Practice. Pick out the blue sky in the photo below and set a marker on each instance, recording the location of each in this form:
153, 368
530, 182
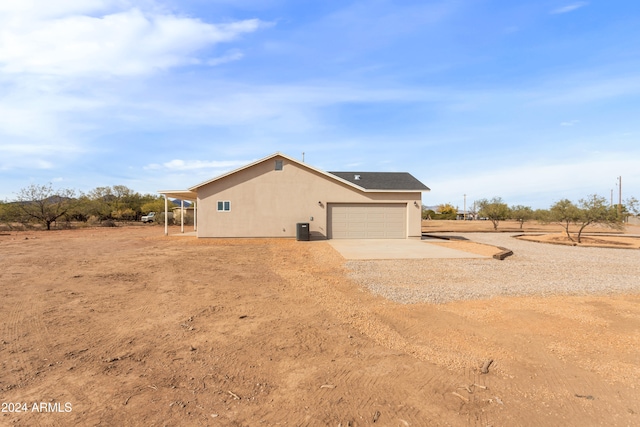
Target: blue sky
531, 101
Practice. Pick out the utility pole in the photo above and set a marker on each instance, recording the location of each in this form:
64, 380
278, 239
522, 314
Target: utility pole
611, 200
620, 196
464, 213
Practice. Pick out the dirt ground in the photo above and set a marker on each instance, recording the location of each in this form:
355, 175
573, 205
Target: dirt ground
127, 327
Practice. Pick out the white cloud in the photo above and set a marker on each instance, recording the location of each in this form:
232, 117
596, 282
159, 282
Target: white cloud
35, 155
540, 184
569, 8
133, 41
74, 70
29, 9
585, 87
291, 108
229, 57
570, 123
191, 165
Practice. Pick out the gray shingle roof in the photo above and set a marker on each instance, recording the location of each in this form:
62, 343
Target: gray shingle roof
399, 181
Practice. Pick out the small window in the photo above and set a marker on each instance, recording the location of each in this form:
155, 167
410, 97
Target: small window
278, 165
224, 205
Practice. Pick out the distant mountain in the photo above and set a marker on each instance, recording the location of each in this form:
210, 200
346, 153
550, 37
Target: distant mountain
186, 204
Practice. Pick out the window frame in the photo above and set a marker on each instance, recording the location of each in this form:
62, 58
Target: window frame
226, 205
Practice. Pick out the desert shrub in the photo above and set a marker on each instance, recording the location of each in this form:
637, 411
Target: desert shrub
445, 216
160, 219
126, 214
428, 214
64, 225
188, 219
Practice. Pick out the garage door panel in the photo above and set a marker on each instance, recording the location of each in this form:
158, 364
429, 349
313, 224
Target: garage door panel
357, 226
362, 221
392, 216
376, 216
376, 235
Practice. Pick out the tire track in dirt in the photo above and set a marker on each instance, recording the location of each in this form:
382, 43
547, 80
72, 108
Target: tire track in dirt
12, 334
570, 390
353, 312
396, 406
90, 358
121, 330
541, 370
357, 314
73, 349
41, 333
365, 318
27, 316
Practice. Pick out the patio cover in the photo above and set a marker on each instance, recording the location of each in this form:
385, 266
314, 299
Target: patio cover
182, 195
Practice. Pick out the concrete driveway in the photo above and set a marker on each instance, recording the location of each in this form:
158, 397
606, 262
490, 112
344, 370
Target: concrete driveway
353, 249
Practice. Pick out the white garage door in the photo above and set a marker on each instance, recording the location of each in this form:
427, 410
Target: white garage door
367, 221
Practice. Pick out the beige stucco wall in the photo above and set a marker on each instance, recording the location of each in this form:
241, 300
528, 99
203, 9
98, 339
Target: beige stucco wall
269, 203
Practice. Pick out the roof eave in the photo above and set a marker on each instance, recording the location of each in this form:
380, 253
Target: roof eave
278, 154
395, 191
180, 194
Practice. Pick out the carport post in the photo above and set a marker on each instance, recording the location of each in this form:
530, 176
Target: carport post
166, 216
182, 216
195, 215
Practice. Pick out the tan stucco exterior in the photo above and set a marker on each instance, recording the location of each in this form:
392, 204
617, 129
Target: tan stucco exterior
265, 202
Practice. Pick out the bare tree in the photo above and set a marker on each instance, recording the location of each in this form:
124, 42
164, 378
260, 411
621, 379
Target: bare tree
632, 205
565, 213
521, 214
43, 204
595, 210
592, 210
495, 210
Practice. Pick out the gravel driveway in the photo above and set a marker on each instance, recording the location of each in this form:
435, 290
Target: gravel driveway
534, 269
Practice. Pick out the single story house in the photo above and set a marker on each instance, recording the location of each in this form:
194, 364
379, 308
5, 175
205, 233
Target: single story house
270, 197
186, 211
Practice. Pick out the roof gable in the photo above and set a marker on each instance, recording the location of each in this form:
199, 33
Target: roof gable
369, 182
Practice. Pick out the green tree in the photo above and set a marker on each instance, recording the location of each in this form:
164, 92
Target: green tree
447, 208
495, 210
116, 202
595, 210
43, 204
157, 205
542, 215
428, 213
99, 203
565, 213
126, 204
521, 214
80, 210
5, 216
